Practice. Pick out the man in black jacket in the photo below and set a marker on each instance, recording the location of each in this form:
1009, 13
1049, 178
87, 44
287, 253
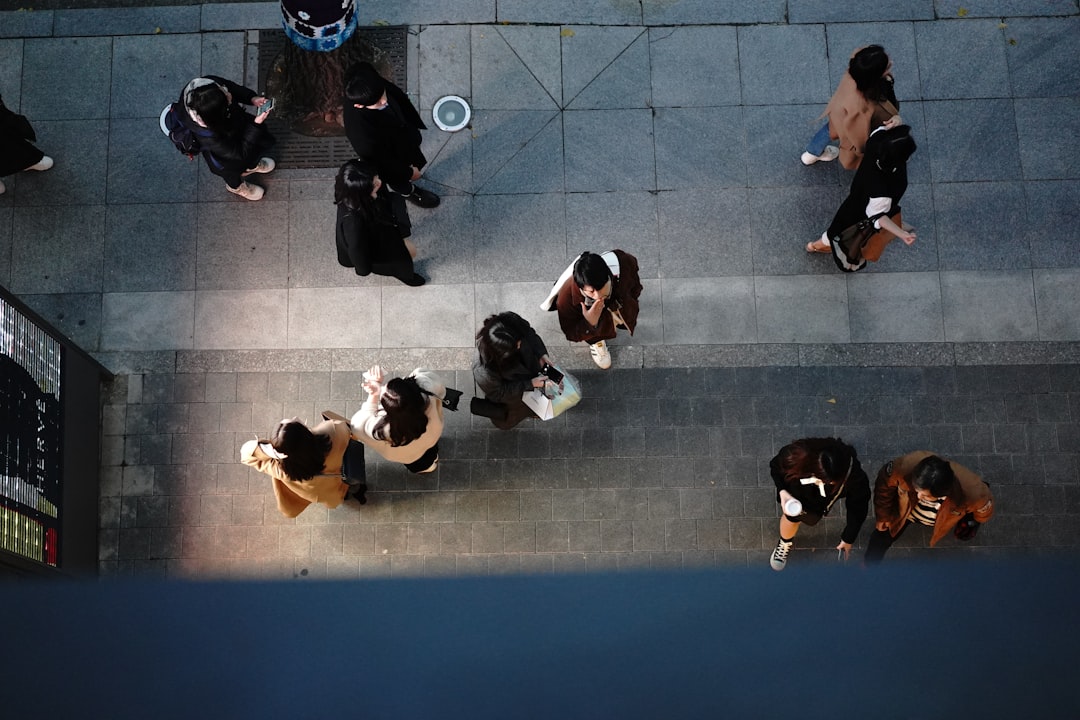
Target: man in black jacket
384, 129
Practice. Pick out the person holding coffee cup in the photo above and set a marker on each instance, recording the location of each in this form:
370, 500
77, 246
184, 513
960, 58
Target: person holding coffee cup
810, 476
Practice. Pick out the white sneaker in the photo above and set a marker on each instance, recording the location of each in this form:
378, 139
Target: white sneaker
780, 554
830, 153
600, 355
43, 164
265, 165
247, 191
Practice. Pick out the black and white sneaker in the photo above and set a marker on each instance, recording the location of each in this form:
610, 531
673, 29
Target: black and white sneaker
780, 554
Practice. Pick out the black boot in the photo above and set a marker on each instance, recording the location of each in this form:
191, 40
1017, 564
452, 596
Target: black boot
423, 198
358, 493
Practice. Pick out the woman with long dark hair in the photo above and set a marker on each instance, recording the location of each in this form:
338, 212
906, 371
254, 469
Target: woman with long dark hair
373, 225
509, 359
810, 476
232, 141
402, 419
876, 189
305, 463
863, 100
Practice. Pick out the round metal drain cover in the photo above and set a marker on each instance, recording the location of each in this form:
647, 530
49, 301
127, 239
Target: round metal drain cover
451, 113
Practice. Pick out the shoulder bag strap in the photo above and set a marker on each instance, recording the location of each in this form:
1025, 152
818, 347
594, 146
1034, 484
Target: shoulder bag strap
851, 464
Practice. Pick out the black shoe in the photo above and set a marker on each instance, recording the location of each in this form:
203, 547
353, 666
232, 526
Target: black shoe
358, 493
423, 198
415, 281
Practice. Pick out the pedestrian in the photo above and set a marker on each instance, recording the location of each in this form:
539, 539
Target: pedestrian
373, 225
231, 140
17, 150
402, 418
876, 190
384, 129
594, 296
863, 100
810, 476
510, 359
305, 463
924, 488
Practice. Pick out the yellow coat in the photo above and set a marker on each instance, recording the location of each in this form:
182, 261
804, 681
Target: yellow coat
293, 496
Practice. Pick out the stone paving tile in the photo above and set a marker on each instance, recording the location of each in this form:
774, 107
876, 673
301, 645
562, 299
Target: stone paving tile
619, 84
138, 93
809, 11
21, 24
66, 78
692, 12
695, 66
764, 82
1043, 42
126, 21
967, 63
717, 132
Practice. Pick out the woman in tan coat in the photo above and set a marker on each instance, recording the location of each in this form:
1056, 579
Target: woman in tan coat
921, 487
863, 100
402, 419
305, 464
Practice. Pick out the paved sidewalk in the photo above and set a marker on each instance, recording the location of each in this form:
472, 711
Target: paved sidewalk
669, 129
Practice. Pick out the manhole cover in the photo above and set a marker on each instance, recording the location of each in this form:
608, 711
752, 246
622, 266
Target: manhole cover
331, 148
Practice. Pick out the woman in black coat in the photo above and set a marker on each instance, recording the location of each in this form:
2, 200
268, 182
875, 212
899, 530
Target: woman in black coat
811, 475
372, 225
232, 141
17, 151
877, 187
509, 359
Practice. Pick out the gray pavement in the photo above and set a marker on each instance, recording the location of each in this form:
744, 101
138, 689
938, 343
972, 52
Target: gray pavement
669, 129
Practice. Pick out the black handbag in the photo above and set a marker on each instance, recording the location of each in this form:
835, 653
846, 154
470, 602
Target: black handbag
847, 247
450, 399
354, 470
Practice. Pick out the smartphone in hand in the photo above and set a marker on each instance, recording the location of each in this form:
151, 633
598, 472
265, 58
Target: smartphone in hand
552, 373
265, 107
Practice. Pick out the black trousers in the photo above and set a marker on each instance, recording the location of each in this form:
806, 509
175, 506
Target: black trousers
880, 542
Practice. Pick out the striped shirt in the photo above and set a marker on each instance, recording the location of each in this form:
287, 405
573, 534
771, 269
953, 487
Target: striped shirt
926, 511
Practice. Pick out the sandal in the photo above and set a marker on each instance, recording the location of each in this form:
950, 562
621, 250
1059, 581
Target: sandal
814, 247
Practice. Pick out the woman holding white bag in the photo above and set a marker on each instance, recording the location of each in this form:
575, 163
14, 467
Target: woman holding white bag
510, 361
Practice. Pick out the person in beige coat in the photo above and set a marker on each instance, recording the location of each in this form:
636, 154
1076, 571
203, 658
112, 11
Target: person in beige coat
921, 487
402, 419
863, 100
305, 464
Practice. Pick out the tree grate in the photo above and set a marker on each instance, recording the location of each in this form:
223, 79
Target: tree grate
296, 150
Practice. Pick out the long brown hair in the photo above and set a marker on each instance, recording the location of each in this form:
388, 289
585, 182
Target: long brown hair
828, 459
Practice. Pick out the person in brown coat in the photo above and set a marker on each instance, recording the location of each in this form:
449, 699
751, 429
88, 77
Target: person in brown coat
305, 464
924, 488
600, 295
863, 100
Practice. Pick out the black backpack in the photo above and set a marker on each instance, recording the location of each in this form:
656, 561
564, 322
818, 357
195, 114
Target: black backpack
183, 137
